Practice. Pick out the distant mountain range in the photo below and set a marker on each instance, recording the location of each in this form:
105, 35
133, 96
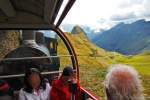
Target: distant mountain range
128, 39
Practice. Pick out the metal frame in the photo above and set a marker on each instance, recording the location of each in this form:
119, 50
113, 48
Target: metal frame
21, 75
89, 94
65, 11
66, 42
27, 58
50, 26
70, 49
51, 11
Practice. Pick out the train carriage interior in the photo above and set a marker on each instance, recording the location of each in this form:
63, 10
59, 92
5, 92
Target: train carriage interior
39, 38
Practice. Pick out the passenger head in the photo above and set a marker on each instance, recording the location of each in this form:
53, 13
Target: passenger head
33, 80
122, 83
67, 74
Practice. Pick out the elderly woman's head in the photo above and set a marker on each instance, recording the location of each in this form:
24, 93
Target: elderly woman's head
122, 83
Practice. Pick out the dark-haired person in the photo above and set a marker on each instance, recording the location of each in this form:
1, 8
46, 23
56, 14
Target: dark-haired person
122, 83
35, 86
61, 88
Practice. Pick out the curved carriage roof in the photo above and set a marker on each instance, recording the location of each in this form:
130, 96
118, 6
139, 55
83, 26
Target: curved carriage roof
32, 13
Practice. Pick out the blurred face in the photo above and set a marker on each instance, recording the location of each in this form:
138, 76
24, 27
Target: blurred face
69, 78
35, 80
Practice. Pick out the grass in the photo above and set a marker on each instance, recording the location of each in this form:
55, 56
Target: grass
93, 69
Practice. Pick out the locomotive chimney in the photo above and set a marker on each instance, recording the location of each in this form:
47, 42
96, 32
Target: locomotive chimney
28, 37
40, 38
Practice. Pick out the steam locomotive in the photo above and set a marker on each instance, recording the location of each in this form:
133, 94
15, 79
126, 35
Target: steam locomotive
35, 50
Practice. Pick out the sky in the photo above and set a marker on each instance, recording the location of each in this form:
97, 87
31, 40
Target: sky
103, 14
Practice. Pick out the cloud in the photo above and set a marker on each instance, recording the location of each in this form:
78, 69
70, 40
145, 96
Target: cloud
132, 10
121, 17
103, 14
128, 3
146, 11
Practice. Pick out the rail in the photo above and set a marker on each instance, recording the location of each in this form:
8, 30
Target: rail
28, 58
89, 94
22, 75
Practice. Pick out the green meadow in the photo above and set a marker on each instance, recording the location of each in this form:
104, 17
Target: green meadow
94, 62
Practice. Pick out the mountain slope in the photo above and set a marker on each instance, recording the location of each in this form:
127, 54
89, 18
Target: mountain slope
126, 38
84, 48
77, 30
91, 68
91, 33
94, 69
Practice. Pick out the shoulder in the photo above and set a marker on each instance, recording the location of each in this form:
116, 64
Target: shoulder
55, 82
21, 91
48, 85
22, 94
57, 85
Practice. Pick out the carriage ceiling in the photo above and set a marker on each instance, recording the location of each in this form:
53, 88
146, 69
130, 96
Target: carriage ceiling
32, 13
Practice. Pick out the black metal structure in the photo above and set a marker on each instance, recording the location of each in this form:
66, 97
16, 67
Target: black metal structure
40, 14
30, 16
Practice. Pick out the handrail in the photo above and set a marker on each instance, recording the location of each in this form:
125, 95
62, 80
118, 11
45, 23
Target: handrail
21, 75
91, 96
65, 11
42, 57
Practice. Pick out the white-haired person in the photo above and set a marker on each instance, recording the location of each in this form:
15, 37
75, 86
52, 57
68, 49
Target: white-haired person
122, 83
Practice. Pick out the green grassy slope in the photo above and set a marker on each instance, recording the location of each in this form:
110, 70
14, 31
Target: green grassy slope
93, 69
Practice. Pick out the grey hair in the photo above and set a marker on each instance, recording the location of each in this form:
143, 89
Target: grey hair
123, 83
